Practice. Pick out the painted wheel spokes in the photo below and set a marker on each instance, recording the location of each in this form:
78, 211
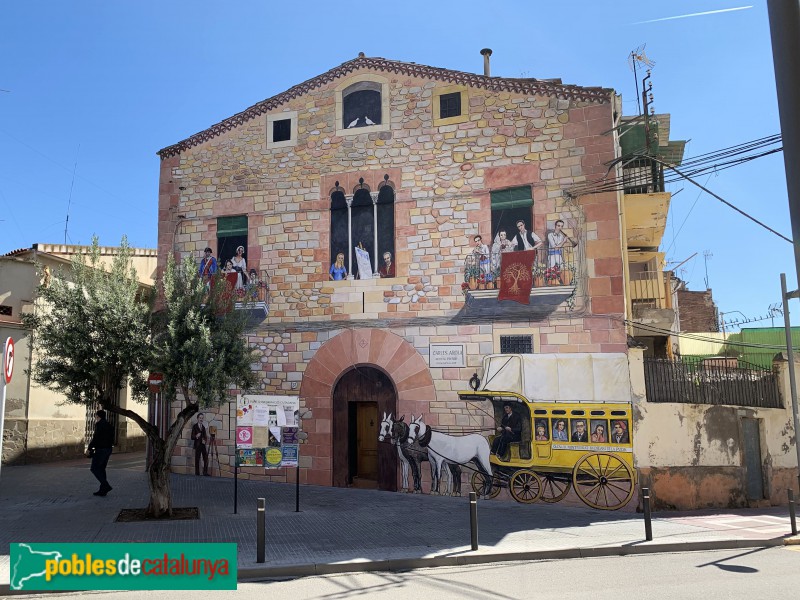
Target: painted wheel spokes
478, 482
554, 488
525, 486
603, 481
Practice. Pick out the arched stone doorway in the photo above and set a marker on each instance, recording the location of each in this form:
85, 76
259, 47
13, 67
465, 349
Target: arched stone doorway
357, 350
360, 398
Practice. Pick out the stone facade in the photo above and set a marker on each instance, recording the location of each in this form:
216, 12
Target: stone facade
540, 134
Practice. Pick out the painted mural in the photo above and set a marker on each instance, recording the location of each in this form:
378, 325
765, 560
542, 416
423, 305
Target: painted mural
521, 273
562, 422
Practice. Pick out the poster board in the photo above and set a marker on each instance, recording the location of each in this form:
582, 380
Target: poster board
364, 265
260, 422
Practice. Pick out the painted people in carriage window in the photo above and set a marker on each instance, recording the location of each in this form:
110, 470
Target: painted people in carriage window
599, 429
541, 430
560, 430
619, 431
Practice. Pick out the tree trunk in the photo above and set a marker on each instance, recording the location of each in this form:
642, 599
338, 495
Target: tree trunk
158, 475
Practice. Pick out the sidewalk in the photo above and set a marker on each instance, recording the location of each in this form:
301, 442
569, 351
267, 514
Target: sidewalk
347, 529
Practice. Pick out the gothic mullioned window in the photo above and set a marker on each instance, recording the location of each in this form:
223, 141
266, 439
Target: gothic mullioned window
365, 220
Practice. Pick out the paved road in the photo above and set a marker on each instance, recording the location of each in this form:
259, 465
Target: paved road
752, 573
345, 529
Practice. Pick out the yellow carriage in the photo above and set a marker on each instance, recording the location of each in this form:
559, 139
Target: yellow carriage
575, 411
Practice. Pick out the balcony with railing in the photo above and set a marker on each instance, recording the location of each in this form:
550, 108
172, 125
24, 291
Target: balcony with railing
651, 300
553, 272
250, 293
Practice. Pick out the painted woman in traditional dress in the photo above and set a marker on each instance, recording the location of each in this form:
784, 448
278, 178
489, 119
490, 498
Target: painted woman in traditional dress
240, 266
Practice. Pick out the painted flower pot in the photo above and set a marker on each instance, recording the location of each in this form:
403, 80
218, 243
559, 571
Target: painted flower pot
473, 283
566, 277
538, 281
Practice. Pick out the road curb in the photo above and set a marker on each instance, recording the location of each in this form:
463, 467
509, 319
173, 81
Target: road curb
792, 541
405, 564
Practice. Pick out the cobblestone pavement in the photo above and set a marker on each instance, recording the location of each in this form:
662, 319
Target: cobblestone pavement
54, 503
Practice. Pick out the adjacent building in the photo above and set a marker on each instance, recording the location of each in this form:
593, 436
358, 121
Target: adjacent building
39, 425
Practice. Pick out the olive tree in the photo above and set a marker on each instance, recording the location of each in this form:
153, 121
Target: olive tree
95, 331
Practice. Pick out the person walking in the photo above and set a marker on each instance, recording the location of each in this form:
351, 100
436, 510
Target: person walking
199, 440
100, 448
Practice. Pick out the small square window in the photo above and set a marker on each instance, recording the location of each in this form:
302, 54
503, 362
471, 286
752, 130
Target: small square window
516, 344
450, 105
5, 311
282, 130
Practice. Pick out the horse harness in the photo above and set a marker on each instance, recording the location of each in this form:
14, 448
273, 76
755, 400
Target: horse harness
425, 439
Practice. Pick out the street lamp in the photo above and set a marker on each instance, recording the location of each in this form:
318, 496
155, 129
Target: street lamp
301, 435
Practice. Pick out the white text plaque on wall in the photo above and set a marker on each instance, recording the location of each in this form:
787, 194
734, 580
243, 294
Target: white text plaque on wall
447, 355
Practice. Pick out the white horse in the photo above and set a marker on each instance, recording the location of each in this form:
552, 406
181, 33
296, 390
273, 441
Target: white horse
442, 448
411, 454
385, 435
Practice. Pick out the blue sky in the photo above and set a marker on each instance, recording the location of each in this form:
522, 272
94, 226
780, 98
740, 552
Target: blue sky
108, 84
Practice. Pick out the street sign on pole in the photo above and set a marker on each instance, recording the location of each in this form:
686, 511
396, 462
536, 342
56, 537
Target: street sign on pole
154, 381
8, 371
8, 360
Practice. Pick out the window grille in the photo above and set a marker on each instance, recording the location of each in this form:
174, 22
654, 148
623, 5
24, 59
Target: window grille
516, 344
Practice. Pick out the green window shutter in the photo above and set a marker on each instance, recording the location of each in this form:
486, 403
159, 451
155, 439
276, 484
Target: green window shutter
229, 226
518, 197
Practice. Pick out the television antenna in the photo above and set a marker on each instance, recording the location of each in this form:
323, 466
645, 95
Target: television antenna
706, 255
638, 57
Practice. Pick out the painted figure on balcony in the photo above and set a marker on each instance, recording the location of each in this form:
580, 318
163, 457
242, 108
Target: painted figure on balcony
526, 240
240, 267
387, 270
556, 240
208, 265
501, 245
338, 271
481, 253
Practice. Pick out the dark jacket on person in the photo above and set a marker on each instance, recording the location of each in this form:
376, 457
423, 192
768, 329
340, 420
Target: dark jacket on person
197, 441
514, 422
520, 241
103, 435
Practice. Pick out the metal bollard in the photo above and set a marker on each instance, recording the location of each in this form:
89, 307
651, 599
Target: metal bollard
261, 523
648, 526
792, 515
473, 519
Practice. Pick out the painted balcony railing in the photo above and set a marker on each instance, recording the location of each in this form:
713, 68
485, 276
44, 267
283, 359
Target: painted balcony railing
250, 293
550, 268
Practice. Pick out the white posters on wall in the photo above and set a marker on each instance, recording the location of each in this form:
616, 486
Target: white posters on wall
259, 420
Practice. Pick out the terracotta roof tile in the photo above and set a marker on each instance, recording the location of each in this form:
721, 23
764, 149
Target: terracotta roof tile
497, 84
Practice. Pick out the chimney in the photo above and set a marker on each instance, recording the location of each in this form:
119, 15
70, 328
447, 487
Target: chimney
487, 52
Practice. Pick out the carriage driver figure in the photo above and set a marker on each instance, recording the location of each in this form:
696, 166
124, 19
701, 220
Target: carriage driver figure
510, 430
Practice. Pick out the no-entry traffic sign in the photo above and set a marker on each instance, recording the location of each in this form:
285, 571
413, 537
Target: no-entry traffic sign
8, 360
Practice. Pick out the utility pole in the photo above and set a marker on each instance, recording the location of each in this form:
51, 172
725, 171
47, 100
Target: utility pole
790, 355
784, 25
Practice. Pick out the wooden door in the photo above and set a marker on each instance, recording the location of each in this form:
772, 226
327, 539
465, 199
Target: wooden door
361, 397
367, 441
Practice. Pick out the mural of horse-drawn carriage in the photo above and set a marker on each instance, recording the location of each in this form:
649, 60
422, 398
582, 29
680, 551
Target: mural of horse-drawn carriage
575, 415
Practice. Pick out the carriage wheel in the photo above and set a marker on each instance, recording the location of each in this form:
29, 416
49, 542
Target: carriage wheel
525, 486
603, 481
554, 488
478, 479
